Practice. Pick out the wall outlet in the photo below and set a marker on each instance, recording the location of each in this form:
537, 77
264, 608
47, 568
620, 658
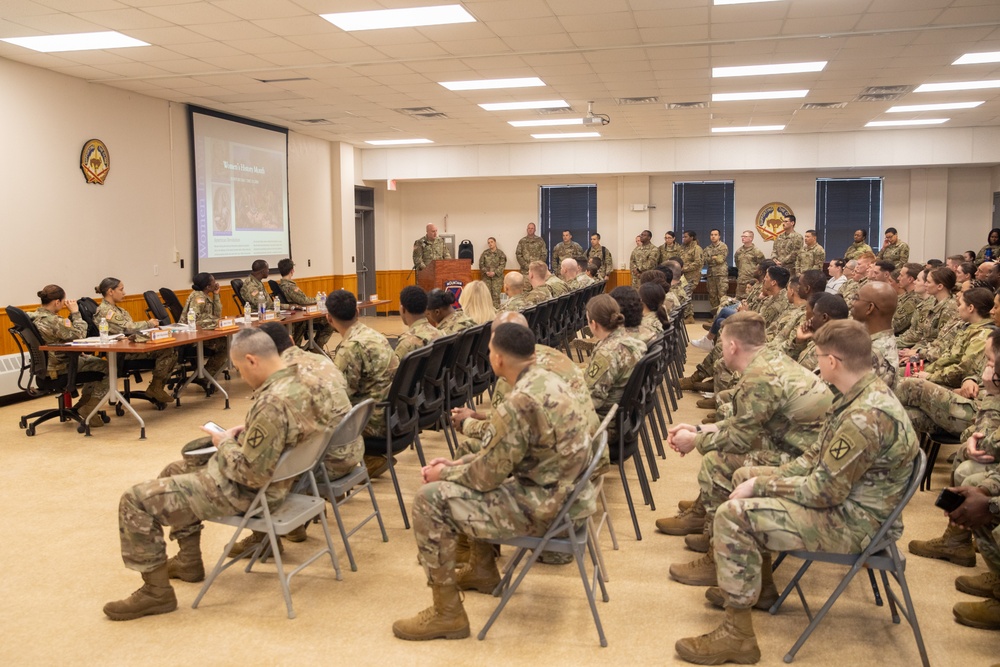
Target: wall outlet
309, 262
182, 263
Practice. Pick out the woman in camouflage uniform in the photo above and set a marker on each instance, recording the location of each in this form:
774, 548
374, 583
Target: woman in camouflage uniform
207, 305
491, 265
442, 314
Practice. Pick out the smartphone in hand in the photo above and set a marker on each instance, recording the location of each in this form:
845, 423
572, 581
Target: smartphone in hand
949, 501
215, 428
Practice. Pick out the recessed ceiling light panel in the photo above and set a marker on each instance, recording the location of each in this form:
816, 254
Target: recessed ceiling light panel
977, 58
546, 122
398, 142
957, 85
81, 41
764, 95
567, 135
410, 17
906, 123
760, 70
750, 128
945, 106
490, 84
515, 106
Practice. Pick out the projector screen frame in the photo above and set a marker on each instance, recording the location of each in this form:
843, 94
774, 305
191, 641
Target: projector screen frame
192, 109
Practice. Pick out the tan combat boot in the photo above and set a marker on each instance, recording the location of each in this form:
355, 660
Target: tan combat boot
700, 572
980, 585
955, 546
686, 504
445, 619
252, 540
83, 408
984, 615
377, 465
299, 534
733, 641
687, 522
698, 542
687, 384
710, 418
480, 573
768, 592
706, 403
156, 596
187, 564
155, 391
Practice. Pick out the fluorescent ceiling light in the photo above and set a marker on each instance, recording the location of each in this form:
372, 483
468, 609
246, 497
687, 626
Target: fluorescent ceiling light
739, 2
488, 84
514, 106
957, 85
976, 58
767, 95
546, 123
757, 70
398, 142
933, 107
902, 123
567, 135
410, 17
81, 41
751, 128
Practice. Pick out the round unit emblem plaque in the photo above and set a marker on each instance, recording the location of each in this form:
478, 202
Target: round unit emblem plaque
95, 161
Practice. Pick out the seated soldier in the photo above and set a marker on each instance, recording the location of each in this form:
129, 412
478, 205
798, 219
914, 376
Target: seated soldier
832, 498
513, 287
820, 309
963, 358
540, 289
442, 314
556, 284
654, 317
874, 305
253, 291
413, 312
583, 277
514, 486
207, 306
296, 297
368, 363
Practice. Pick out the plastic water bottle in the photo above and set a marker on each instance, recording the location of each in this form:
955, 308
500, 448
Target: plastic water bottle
319, 295
277, 307
192, 321
103, 328
261, 308
246, 313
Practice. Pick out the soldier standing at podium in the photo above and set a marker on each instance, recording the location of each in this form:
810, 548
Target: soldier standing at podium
428, 248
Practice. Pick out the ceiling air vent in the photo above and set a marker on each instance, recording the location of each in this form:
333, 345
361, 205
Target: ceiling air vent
421, 112
625, 101
295, 78
823, 105
315, 121
549, 112
882, 93
687, 105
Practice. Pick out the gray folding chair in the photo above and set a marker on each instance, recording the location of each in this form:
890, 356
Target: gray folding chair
296, 510
342, 489
602, 511
881, 554
566, 534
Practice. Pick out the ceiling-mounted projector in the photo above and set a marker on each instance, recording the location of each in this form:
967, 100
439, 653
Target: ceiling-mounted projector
595, 118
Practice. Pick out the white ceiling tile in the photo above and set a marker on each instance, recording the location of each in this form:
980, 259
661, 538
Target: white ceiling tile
191, 13
231, 30
261, 9
301, 25
134, 70
575, 7
167, 36
294, 58
358, 54
523, 27
597, 22
18, 8
493, 11
58, 24
613, 38
536, 43
896, 20
475, 47
665, 35
126, 19
83, 72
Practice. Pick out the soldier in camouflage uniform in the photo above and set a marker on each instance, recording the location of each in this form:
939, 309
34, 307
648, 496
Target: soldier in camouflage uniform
859, 247
413, 312
429, 248
568, 249
253, 291
295, 296
980, 512
515, 485
716, 257
530, 248
580, 278
820, 309
691, 256
832, 498
491, 265
513, 285
894, 250
787, 246
936, 310
442, 314
670, 247
56, 330
964, 357
812, 255
905, 279
874, 307
646, 256
775, 413
204, 300
284, 414
601, 253
747, 258
112, 292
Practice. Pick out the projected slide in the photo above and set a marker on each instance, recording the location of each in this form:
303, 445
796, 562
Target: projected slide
241, 192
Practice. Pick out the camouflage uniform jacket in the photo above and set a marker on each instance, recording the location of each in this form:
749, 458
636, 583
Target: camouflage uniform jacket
938, 316
644, 258
885, 357
905, 307
426, 251
898, 253
607, 261
455, 322
367, 362
994, 253
418, 334
293, 294
921, 314
855, 250
283, 415
777, 405
810, 257
850, 290
492, 260
519, 302
716, 257
988, 423
860, 465
747, 259
536, 296
119, 319
754, 298
610, 368
781, 333
772, 307
666, 252
691, 255
57, 330
557, 285
530, 249
207, 309
536, 449
966, 357
945, 339
679, 293
582, 280
252, 290
563, 250
786, 249
673, 299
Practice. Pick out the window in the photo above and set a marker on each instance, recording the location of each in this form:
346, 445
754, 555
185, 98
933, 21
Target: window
567, 207
844, 205
704, 206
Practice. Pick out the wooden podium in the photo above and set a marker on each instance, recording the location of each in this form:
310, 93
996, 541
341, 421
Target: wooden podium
440, 271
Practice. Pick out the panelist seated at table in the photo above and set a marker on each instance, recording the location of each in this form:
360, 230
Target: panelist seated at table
207, 306
293, 295
57, 330
253, 291
112, 292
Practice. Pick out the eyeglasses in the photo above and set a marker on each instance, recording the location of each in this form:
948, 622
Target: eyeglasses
819, 354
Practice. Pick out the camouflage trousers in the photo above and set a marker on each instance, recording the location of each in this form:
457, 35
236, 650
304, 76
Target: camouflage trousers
931, 406
988, 541
745, 528
216, 354
89, 363
342, 459
495, 285
717, 288
693, 278
444, 510
164, 361
375, 428
715, 477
